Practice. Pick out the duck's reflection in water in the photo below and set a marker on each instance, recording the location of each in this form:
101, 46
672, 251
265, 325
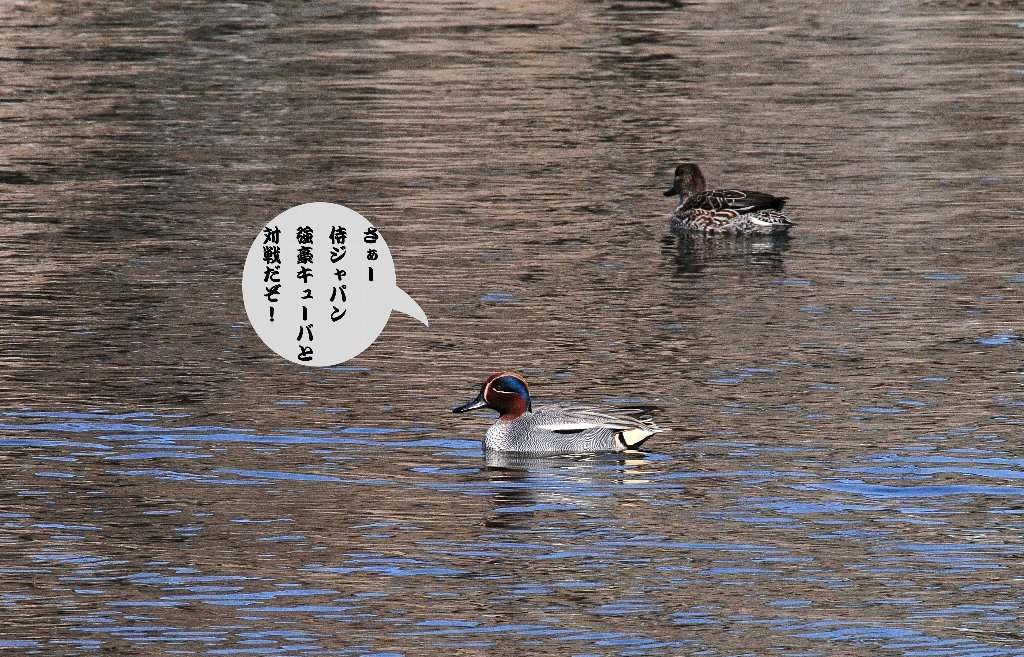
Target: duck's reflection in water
693, 253
525, 485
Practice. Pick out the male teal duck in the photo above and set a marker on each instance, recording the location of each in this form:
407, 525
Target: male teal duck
723, 210
554, 428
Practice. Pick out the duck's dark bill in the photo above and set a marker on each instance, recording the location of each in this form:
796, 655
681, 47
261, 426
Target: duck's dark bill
476, 403
671, 192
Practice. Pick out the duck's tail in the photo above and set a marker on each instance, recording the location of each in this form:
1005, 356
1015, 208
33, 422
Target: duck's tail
633, 438
772, 220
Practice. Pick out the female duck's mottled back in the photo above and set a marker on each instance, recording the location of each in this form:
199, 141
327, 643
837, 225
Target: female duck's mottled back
723, 210
555, 428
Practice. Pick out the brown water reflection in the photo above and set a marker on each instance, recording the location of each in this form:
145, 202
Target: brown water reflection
843, 471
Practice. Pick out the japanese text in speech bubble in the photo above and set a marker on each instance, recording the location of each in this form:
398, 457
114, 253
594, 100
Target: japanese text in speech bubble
319, 285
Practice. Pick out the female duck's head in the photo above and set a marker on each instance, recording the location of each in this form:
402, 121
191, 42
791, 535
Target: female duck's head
688, 180
505, 392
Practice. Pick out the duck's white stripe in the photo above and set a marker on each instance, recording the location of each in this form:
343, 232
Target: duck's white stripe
760, 221
569, 426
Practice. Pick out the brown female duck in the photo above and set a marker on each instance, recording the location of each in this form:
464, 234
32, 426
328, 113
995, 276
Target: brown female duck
723, 210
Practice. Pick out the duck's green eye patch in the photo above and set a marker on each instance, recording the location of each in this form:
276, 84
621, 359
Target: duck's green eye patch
509, 384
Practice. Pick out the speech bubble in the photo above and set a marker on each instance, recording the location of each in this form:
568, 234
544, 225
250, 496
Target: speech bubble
319, 285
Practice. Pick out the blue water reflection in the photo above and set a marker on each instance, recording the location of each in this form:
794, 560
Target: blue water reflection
535, 535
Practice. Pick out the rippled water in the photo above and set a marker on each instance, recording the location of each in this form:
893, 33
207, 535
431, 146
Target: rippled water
844, 471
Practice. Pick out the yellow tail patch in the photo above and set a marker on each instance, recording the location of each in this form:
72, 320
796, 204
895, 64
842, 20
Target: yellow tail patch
631, 438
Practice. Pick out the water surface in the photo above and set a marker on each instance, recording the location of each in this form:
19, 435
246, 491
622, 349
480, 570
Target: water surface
843, 475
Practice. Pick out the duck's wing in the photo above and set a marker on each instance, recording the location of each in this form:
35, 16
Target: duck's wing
567, 416
740, 200
586, 425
